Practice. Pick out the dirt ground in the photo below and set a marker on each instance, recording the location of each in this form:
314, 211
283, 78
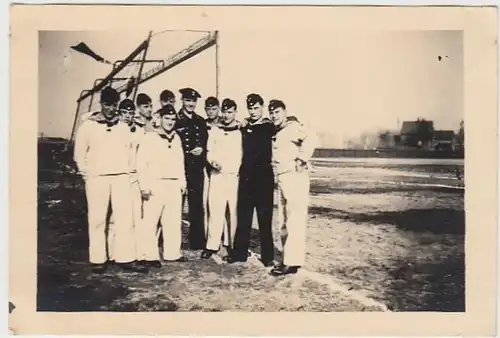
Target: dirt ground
394, 233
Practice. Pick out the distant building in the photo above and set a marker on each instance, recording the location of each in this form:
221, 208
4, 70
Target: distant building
417, 134
443, 140
387, 140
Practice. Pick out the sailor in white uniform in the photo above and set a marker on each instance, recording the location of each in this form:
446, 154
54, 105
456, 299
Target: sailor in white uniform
102, 154
126, 111
224, 154
293, 147
212, 110
162, 180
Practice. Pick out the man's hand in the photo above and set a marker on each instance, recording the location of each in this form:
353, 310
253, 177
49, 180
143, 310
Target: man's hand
83, 174
243, 123
197, 151
146, 194
300, 166
216, 166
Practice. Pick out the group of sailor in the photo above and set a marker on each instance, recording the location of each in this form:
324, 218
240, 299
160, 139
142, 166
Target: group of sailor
148, 164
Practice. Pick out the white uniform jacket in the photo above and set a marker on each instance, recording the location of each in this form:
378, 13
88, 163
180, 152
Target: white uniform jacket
160, 157
224, 147
291, 142
102, 147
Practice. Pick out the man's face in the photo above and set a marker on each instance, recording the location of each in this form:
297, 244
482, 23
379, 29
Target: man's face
109, 109
168, 122
228, 115
255, 111
212, 112
146, 109
127, 115
168, 102
189, 105
277, 115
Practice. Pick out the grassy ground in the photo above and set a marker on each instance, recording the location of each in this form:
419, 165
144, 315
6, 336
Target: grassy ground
374, 229
65, 282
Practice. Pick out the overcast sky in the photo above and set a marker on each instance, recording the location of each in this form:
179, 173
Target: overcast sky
342, 83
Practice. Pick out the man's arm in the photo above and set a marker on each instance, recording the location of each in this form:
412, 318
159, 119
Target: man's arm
143, 154
203, 135
183, 180
81, 148
307, 141
211, 145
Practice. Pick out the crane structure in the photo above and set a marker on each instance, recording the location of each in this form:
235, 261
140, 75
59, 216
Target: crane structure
132, 83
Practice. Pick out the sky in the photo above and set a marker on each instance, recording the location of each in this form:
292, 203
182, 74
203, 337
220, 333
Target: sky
340, 83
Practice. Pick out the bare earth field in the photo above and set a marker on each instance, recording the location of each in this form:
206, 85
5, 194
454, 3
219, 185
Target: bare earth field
391, 231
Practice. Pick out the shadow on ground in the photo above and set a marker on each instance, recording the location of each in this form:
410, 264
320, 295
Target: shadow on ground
425, 273
435, 221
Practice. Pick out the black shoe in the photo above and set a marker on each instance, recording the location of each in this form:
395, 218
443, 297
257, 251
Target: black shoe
206, 254
99, 268
132, 267
181, 259
150, 264
283, 270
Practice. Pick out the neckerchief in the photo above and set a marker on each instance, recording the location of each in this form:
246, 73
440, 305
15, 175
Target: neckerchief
231, 127
212, 123
163, 134
101, 119
141, 120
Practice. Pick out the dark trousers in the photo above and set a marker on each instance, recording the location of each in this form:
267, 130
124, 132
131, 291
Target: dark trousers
256, 191
195, 185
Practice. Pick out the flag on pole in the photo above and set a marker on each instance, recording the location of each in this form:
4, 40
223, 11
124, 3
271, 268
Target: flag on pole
84, 49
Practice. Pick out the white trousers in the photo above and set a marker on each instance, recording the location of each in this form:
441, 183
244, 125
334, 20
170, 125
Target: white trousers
206, 211
137, 218
100, 190
293, 191
165, 205
222, 196
137, 210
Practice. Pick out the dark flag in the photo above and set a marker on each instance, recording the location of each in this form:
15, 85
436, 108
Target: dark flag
84, 49
130, 86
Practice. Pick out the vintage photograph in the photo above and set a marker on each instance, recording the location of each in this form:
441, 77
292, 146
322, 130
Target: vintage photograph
251, 171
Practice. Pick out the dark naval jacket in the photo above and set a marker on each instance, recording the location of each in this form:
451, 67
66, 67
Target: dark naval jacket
257, 146
194, 133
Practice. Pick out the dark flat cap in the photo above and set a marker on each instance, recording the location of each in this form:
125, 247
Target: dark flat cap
142, 99
274, 104
127, 105
189, 93
211, 102
167, 110
110, 95
167, 95
228, 104
253, 99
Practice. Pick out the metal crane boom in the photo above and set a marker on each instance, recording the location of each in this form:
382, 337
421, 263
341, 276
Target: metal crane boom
176, 59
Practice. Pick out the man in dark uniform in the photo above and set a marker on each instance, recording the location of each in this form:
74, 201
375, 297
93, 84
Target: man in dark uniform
192, 129
256, 184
